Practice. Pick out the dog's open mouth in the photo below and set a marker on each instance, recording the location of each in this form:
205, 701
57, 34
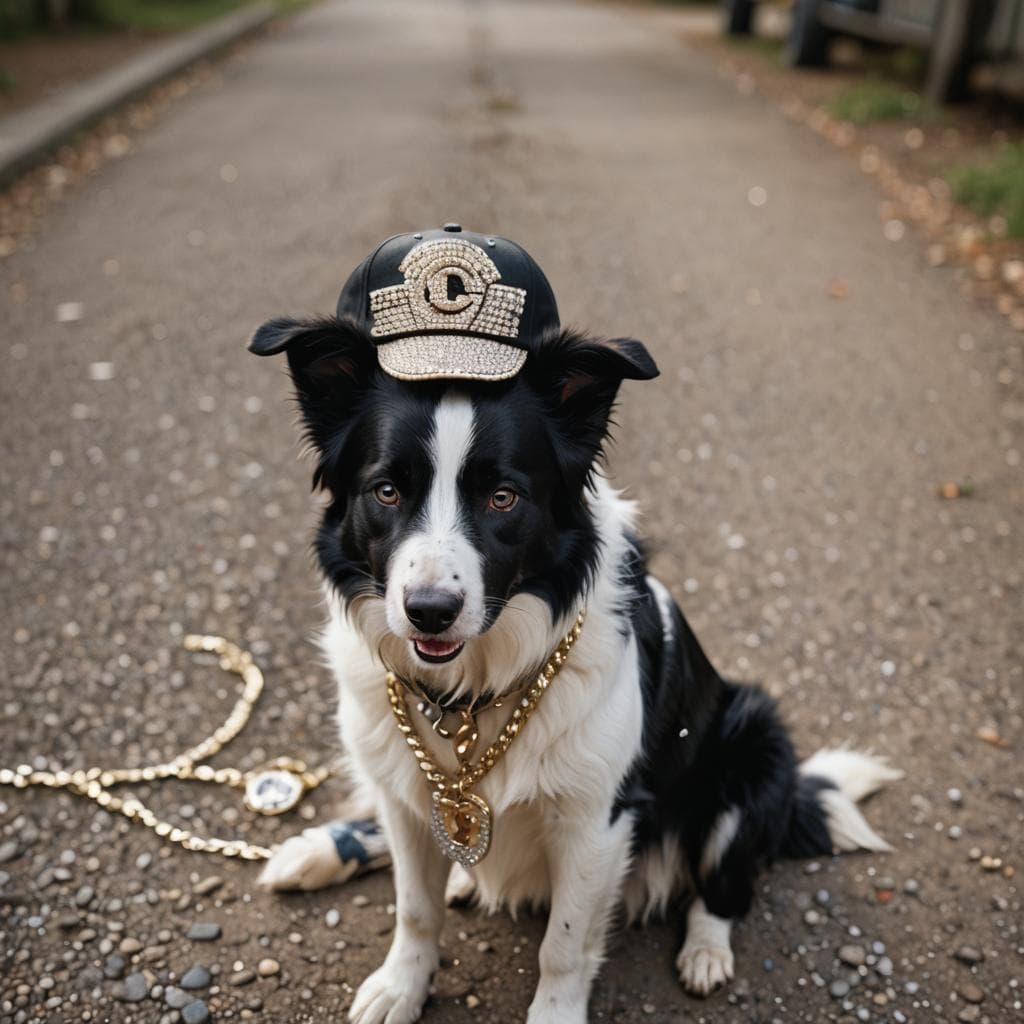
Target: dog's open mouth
437, 651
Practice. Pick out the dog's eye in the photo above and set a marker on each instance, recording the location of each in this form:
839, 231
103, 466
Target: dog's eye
386, 493
504, 499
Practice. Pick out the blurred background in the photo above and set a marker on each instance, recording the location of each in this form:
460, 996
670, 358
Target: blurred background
813, 214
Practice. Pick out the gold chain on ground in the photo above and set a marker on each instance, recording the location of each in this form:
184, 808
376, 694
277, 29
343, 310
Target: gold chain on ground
470, 774
95, 783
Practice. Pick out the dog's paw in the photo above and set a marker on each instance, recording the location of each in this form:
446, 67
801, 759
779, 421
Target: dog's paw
389, 996
308, 861
702, 969
460, 887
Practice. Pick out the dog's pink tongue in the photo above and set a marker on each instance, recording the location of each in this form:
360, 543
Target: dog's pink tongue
435, 648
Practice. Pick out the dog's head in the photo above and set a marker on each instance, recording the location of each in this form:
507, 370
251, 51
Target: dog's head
449, 498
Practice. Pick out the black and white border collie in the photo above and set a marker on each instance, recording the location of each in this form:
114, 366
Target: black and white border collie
467, 526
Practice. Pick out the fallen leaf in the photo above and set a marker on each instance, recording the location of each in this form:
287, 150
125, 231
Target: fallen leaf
989, 735
951, 489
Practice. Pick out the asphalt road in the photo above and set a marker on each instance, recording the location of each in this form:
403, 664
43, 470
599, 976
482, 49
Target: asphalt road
787, 461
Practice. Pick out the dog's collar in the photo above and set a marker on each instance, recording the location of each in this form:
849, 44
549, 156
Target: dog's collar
435, 706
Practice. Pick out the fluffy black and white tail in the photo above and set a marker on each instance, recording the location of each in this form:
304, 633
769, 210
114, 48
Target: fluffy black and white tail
825, 816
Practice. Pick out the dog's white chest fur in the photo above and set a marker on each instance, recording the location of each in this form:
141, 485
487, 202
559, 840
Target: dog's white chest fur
565, 762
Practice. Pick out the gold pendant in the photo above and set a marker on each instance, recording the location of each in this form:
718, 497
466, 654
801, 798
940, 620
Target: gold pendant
462, 827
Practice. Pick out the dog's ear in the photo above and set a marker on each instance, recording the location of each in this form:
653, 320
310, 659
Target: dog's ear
330, 361
581, 376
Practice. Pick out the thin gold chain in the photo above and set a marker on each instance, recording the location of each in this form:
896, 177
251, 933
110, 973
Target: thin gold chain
470, 774
96, 783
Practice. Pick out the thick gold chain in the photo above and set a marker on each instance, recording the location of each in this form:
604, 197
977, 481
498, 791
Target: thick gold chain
470, 774
96, 783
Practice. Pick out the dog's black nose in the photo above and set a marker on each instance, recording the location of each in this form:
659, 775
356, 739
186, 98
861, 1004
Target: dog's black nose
431, 610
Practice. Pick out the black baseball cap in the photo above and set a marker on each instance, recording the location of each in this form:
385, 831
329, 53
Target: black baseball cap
448, 303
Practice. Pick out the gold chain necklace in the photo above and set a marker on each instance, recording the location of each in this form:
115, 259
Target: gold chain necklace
273, 789
460, 820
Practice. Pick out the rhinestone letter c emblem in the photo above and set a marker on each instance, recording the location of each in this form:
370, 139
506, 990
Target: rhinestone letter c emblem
425, 302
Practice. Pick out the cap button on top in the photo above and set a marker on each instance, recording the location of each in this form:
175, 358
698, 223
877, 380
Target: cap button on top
451, 226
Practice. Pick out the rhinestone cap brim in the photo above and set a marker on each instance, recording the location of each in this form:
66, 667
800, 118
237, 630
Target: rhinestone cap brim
450, 356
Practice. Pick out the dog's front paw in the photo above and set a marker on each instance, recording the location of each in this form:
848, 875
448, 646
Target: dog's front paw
702, 968
390, 996
308, 861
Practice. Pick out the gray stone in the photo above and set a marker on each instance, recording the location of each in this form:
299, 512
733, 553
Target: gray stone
84, 896
208, 885
839, 988
113, 966
177, 998
204, 931
195, 977
134, 989
195, 1013
8, 850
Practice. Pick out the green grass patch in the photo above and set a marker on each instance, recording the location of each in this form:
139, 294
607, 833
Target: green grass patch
158, 15
879, 101
996, 187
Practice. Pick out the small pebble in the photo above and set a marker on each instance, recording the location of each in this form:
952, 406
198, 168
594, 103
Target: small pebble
195, 1013
208, 885
969, 955
970, 992
195, 977
113, 966
129, 946
84, 896
244, 977
472, 1002
8, 850
332, 918
134, 989
839, 988
267, 967
812, 917
176, 998
969, 1014
912, 887
359, 900
955, 796
204, 931
851, 955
